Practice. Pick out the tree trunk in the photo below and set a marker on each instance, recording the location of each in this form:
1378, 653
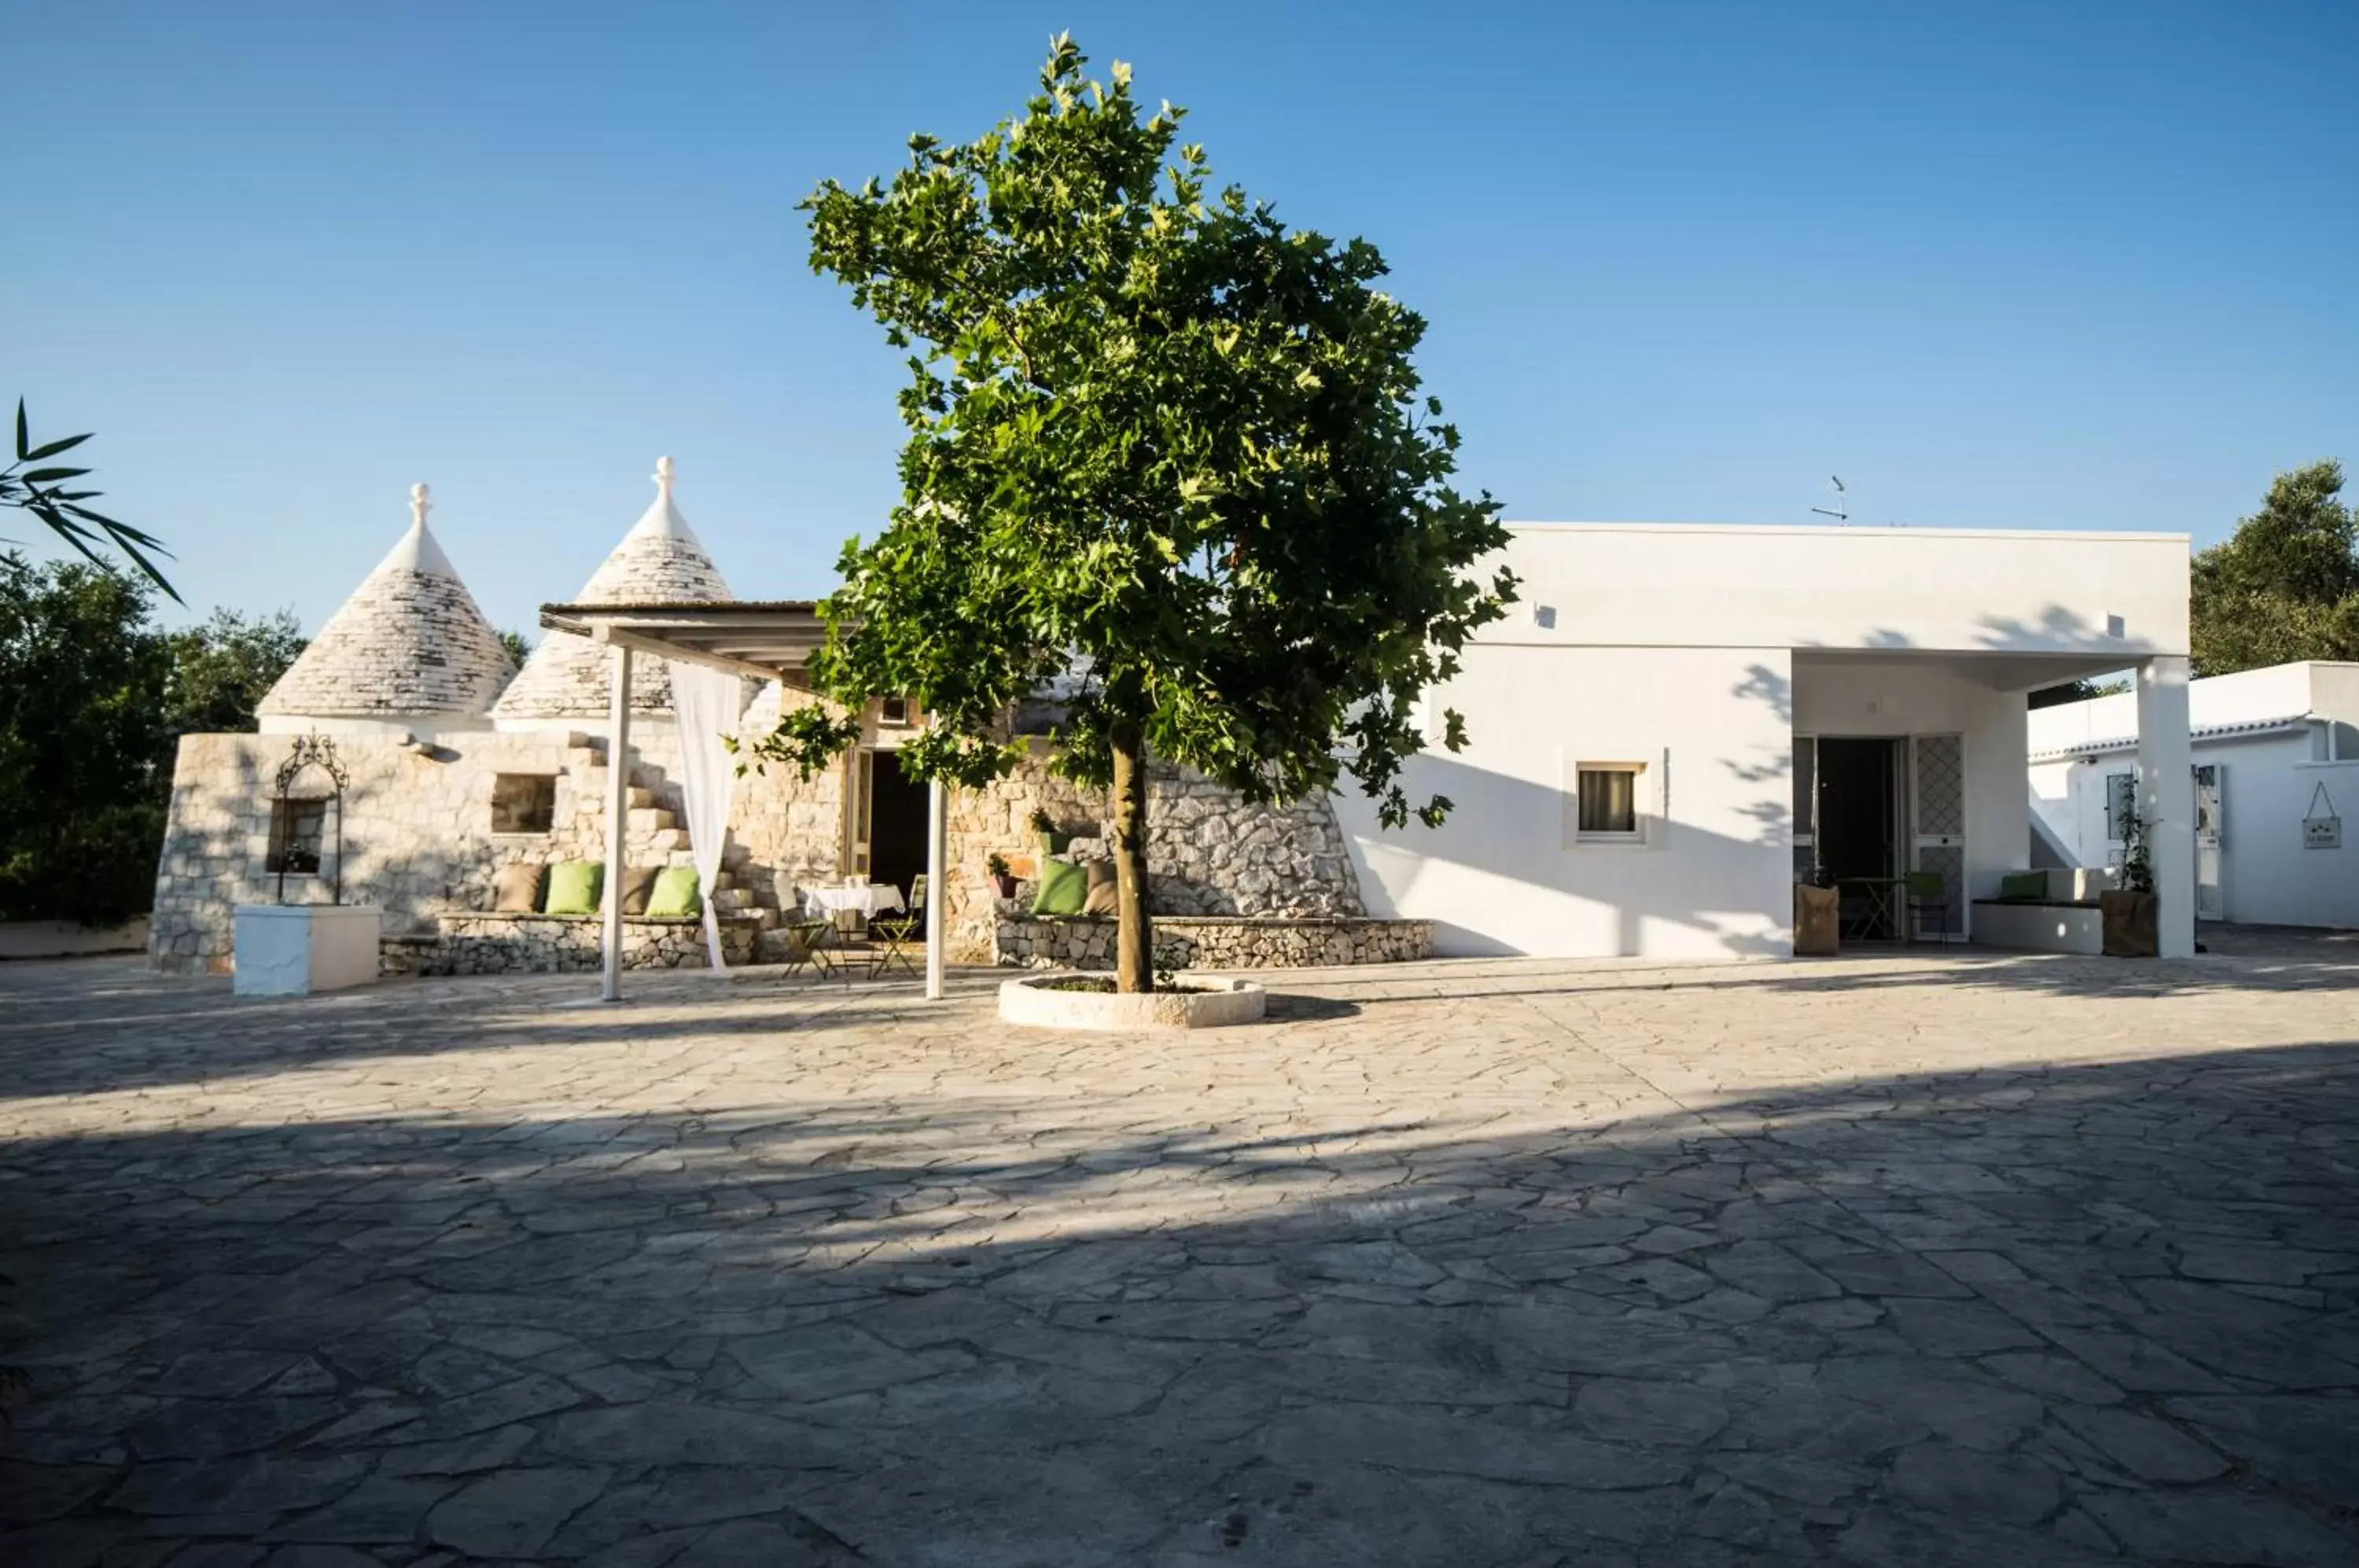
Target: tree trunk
1135, 931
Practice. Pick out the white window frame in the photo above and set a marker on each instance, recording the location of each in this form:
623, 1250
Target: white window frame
1636, 833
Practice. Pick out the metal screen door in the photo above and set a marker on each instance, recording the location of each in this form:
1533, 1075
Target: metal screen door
2209, 903
1936, 779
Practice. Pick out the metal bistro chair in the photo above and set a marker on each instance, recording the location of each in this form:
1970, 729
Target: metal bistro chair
1929, 893
899, 930
834, 949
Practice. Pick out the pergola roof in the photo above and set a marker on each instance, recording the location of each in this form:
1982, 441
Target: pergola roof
768, 639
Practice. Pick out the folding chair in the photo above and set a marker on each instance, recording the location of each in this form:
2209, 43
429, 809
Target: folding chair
1929, 893
899, 930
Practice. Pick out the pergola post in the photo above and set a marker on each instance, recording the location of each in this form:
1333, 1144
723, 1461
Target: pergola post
618, 820
936, 899
2167, 799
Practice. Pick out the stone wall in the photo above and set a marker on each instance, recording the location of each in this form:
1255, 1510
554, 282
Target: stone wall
419, 841
1208, 853
1214, 942
546, 944
417, 834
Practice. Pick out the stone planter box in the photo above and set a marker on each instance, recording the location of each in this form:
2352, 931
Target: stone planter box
1034, 1001
293, 949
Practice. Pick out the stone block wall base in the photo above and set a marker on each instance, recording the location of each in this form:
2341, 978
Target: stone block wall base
550, 944
1214, 1002
1199, 941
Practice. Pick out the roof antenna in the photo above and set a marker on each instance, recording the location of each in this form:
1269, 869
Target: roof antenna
1836, 511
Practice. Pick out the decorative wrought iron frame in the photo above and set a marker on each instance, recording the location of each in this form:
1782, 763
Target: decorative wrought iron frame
309, 751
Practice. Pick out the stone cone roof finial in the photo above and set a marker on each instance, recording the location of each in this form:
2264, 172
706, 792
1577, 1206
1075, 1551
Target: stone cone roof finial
409, 641
660, 562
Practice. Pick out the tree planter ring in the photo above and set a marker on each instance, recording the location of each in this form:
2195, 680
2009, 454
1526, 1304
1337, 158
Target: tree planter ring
1219, 1000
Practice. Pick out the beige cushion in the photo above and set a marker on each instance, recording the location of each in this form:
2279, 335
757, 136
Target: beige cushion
1101, 899
638, 881
516, 889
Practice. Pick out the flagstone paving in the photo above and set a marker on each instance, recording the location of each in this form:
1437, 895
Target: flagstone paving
1913, 1260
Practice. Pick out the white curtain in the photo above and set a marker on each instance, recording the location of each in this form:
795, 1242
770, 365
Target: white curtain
707, 702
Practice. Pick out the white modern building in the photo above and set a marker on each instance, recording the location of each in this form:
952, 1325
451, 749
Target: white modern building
1680, 722
2275, 761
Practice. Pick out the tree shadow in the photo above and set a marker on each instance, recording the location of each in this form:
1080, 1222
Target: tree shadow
2030, 1313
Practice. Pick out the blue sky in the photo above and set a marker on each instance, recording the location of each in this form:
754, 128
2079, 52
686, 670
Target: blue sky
1995, 265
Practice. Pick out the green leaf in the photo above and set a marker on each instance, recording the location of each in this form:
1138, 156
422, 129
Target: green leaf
52, 449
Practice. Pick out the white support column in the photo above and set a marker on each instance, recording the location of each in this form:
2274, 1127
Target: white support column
2167, 799
937, 901
618, 820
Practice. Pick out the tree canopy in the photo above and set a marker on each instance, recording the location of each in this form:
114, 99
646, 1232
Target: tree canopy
1161, 448
2285, 586
94, 698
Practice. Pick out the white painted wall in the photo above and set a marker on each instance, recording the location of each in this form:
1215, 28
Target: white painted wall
2268, 784
1701, 650
1988, 590
1862, 695
1714, 876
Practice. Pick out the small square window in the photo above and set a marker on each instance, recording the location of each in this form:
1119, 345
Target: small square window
298, 829
1606, 801
523, 802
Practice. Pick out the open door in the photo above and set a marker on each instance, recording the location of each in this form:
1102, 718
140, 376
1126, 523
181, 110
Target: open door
1937, 816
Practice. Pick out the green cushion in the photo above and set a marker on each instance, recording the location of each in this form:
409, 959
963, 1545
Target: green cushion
675, 895
1064, 889
573, 887
2023, 885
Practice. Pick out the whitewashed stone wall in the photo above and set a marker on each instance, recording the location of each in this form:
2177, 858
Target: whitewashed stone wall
1184, 942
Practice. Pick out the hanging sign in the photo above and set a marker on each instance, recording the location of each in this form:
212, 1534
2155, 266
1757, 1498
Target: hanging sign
2321, 828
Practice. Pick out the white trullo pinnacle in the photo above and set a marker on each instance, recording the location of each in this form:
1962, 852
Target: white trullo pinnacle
409, 643
660, 562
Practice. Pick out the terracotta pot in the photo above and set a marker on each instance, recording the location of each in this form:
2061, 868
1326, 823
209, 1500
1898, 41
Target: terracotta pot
1818, 922
2128, 922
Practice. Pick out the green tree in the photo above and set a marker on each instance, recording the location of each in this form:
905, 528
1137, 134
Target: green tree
2075, 692
2285, 586
81, 742
1159, 442
221, 669
39, 491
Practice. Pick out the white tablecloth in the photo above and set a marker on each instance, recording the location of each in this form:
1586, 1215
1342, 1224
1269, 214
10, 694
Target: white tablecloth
868, 899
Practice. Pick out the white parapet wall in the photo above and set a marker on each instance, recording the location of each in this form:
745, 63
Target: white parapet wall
2040, 928
294, 950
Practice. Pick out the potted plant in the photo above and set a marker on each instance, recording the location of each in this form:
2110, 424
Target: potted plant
1053, 839
1001, 877
2130, 914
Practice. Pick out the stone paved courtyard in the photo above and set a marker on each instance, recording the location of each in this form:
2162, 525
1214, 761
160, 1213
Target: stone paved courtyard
1921, 1260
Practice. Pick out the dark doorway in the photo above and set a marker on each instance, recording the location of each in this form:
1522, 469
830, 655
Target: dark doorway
896, 822
1859, 830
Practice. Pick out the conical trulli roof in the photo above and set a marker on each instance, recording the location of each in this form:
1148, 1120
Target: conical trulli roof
660, 562
408, 641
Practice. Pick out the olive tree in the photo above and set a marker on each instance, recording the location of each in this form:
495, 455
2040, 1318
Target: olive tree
1163, 451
